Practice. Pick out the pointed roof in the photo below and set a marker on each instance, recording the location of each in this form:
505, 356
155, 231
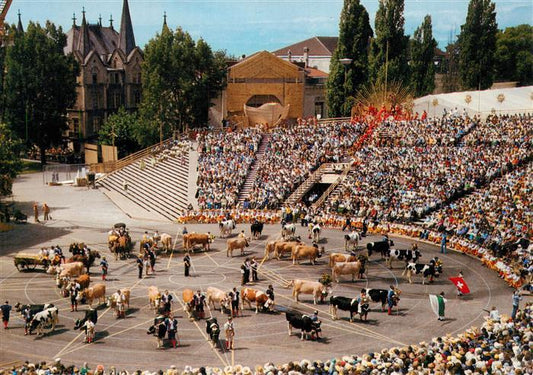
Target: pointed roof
165, 26
318, 46
84, 43
20, 29
126, 39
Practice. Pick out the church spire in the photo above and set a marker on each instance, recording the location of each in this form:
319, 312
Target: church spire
83, 42
165, 26
126, 39
20, 29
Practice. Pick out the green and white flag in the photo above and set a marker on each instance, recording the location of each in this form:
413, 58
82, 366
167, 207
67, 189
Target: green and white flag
437, 304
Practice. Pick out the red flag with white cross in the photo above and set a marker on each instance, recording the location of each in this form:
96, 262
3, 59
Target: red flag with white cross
460, 284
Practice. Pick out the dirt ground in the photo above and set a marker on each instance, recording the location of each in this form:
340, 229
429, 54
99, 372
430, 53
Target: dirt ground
81, 215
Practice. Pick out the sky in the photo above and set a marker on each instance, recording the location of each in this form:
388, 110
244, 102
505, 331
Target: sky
247, 26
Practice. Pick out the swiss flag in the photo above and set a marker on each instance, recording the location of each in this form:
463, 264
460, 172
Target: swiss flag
460, 284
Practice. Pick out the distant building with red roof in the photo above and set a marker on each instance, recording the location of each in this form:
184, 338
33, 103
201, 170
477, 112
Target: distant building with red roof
316, 52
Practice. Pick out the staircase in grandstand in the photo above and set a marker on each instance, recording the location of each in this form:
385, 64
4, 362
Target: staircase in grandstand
252, 173
158, 183
332, 187
314, 178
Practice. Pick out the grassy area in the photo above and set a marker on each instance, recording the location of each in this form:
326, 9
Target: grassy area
30, 167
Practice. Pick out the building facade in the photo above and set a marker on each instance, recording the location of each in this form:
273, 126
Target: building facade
110, 74
263, 82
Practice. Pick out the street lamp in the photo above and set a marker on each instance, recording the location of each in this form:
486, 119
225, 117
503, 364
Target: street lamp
345, 62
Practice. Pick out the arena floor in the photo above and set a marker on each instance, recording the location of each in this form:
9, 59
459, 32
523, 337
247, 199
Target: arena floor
260, 338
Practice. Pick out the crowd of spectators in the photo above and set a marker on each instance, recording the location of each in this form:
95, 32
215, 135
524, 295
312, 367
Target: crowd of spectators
223, 163
295, 152
501, 346
404, 183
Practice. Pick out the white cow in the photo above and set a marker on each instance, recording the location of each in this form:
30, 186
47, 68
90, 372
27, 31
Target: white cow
352, 239
288, 231
226, 227
218, 296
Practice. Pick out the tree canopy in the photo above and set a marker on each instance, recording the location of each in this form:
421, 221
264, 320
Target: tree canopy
40, 85
354, 37
477, 45
422, 49
121, 129
10, 163
388, 58
514, 54
180, 77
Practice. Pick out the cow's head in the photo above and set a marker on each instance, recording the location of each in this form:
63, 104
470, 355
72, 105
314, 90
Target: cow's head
438, 270
52, 270
410, 267
418, 254
247, 242
80, 296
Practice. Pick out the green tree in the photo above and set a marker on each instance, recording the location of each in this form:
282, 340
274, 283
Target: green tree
40, 85
121, 129
388, 57
10, 163
422, 53
514, 54
344, 80
450, 80
477, 45
180, 77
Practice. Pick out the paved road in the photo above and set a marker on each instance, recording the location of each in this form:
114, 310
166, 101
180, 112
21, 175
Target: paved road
81, 215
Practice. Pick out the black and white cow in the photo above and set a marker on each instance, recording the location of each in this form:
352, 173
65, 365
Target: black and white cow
314, 232
346, 304
379, 246
44, 318
288, 230
91, 314
406, 255
34, 309
380, 295
302, 322
426, 270
256, 229
351, 239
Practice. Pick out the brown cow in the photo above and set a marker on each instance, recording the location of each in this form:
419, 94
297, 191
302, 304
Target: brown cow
315, 288
84, 281
305, 251
64, 282
235, 244
283, 247
218, 296
192, 239
249, 295
347, 268
269, 249
65, 269
95, 292
166, 242
154, 297
187, 296
338, 257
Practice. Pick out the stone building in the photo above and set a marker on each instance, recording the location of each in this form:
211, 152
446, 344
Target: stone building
110, 73
263, 88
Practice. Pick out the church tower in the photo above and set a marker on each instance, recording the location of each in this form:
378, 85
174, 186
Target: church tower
126, 39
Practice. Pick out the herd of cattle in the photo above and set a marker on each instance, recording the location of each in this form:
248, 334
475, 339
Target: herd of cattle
354, 262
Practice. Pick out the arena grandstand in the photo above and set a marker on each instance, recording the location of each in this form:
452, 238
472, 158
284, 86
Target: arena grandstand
445, 173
